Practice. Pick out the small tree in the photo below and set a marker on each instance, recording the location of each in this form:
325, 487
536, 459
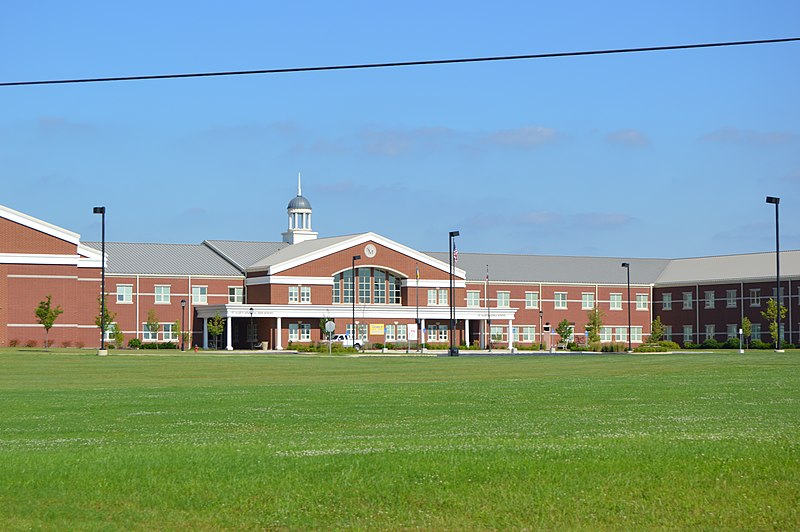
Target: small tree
46, 315
116, 334
747, 330
216, 326
152, 324
176, 331
656, 331
595, 317
771, 314
109, 317
564, 330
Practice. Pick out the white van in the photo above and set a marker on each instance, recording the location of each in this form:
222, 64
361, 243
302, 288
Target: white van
346, 340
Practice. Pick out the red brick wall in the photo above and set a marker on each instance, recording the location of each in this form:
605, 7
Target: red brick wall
16, 238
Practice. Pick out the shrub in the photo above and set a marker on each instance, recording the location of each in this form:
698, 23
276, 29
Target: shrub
650, 348
377, 345
66, 343
614, 347
13, 342
31, 343
690, 345
80, 345
758, 344
710, 343
134, 343
788, 346
731, 343
669, 345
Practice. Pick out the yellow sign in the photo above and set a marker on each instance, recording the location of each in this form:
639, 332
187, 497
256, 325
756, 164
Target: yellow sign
376, 329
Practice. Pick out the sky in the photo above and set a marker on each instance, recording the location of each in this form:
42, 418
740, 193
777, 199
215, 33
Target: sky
664, 154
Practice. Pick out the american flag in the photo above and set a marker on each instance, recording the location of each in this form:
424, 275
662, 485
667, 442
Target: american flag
455, 254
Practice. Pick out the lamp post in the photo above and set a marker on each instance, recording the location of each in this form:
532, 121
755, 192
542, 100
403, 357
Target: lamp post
776, 201
353, 285
541, 332
627, 266
251, 329
453, 350
183, 313
102, 212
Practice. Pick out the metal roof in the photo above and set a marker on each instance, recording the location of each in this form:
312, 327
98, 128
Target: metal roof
298, 250
244, 254
164, 259
549, 269
752, 266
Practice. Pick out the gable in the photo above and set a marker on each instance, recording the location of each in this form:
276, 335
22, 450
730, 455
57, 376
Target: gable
16, 238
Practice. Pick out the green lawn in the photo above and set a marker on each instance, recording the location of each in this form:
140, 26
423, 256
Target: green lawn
702, 441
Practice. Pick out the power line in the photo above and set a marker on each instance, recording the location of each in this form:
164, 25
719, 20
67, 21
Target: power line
398, 64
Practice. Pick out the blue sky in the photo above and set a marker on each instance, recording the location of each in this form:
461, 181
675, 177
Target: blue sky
667, 154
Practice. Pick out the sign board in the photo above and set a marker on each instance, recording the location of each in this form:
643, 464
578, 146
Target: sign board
330, 326
412, 332
376, 329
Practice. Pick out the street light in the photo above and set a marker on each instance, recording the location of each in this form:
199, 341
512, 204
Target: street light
627, 266
776, 201
541, 332
251, 329
102, 212
183, 312
453, 350
353, 294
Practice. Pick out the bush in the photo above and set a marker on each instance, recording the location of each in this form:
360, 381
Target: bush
710, 343
66, 343
134, 343
731, 343
13, 342
154, 345
613, 347
80, 345
31, 343
758, 344
650, 348
690, 345
788, 346
377, 345
669, 345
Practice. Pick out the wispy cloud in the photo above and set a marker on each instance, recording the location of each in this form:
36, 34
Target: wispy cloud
733, 135
628, 137
396, 142
523, 137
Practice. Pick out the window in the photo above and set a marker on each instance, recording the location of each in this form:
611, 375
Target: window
687, 300
605, 334
636, 334
668, 333
147, 334
531, 299
169, 332
615, 301
363, 331
587, 301
709, 298
235, 294
199, 295
730, 298
388, 333
364, 293
402, 335
124, 293
379, 286
162, 293
621, 334
755, 331
503, 299
641, 302
395, 284
294, 294
710, 331
109, 334
666, 301
688, 334
443, 297
732, 330
781, 295
755, 297
305, 332
294, 332
305, 294
561, 300
498, 333
528, 334
437, 333
473, 298
336, 295
348, 286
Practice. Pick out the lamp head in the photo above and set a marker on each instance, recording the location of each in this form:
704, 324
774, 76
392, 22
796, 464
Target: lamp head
99, 210
356, 257
626, 264
454, 233
773, 200
183, 303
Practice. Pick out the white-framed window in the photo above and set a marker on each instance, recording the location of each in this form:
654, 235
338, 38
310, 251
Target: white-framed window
642, 302
235, 294
199, 295
443, 298
148, 335
402, 332
621, 334
162, 293
395, 286
755, 331
711, 331
666, 301
688, 334
169, 332
108, 336
587, 301
730, 298
124, 293
606, 334
668, 333
437, 333
498, 333
363, 332
636, 334
305, 332
388, 333
364, 292
379, 287
347, 286
755, 297
688, 300
781, 295
615, 301
437, 297
294, 294
709, 298
560, 300
732, 330
336, 294
503, 299
305, 294
294, 332
531, 299
473, 298
528, 333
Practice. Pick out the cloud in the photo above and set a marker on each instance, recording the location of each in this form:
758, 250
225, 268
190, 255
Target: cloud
732, 135
628, 137
523, 137
396, 142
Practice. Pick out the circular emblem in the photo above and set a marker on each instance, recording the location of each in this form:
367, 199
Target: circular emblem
370, 250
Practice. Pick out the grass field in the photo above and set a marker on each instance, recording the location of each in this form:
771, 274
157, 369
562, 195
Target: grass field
201, 442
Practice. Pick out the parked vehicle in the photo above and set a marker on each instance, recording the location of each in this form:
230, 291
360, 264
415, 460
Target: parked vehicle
346, 341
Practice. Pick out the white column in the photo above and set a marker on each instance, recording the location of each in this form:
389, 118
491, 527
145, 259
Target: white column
510, 334
278, 335
229, 325
205, 333
424, 336
466, 332
482, 335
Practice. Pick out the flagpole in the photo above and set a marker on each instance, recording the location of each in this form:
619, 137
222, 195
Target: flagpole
488, 311
419, 329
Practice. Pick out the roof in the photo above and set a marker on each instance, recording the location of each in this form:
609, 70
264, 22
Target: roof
244, 254
550, 269
299, 202
295, 251
748, 267
164, 259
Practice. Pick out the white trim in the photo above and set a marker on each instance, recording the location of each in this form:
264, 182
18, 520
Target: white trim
39, 258
345, 311
433, 283
289, 279
21, 276
39, 225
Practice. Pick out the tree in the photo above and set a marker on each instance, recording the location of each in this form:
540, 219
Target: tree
176, 331
771, 314
656, 331
216, 326
117, 336
595, 317
109, 316
46, 315
564, 330
152, 324
747, 330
